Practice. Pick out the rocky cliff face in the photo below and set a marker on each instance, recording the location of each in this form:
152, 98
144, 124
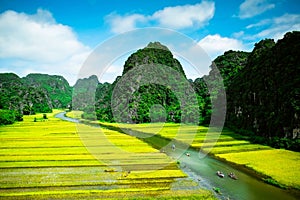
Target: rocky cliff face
84, 93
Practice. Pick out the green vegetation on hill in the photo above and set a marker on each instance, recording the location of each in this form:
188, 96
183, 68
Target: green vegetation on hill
9, 117
57, 88
262, 91
153, 53
144, 98
35, 93
263, 98
228, 66
84, 94
22, 98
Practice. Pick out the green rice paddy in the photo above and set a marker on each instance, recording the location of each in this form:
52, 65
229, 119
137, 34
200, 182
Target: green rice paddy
48, 159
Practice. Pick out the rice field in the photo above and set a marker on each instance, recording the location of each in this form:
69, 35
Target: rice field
74, 114
49, 159
278, 165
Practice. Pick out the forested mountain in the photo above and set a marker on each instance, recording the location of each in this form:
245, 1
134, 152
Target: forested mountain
24, 98
265, 96
35, 93
134, 103
153, 53
262, 90
228, 66
57, 88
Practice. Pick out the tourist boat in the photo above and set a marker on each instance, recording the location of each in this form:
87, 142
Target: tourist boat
232, 175
220, 174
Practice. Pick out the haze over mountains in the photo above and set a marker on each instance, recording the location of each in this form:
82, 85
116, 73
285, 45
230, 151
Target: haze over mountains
262, 89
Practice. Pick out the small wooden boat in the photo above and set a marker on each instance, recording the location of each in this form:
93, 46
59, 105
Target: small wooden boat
220, 174
233, 176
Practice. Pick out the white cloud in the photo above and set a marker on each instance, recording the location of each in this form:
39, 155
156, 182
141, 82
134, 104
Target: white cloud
238, 34
120, 24
40, 44
178, 17
251, 8
259, 24
216, 45
276, 28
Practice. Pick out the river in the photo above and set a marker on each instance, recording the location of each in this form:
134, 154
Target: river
204, 170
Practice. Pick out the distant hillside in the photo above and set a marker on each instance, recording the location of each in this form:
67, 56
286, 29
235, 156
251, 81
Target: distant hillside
22, 97
57, 88
34, 93
84, 94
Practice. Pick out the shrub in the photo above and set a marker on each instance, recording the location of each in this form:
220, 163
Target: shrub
273, 182
89, 116
258, 140
19, 116
7, 117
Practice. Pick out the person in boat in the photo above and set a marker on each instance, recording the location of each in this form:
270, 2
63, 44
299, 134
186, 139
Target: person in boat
188, 154
173, 147
232, 175
220, 174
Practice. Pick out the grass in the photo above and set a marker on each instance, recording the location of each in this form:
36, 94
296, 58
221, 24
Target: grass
57, 159
281, 167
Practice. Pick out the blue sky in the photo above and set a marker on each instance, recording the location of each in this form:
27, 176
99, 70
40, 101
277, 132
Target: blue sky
56, 37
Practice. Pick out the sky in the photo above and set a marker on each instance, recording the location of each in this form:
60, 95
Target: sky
57, 37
